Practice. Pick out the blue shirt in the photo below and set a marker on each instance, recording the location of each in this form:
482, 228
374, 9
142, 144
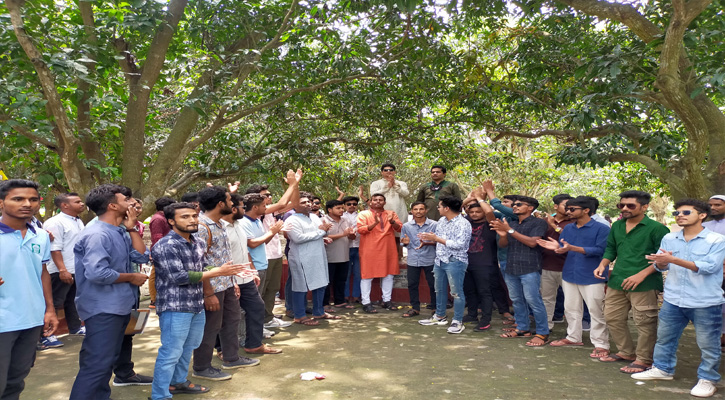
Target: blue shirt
174, 257
22, 304
592, 237
426, 255
457, 234
102, 253
254, 229
689, 289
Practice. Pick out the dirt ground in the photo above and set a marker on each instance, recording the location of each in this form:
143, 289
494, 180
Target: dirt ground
385, 356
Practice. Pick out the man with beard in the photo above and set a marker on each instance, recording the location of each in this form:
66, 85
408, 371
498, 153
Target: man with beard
395, 192
221, 295
421, 256
717, 225
694, 258
634, 283
439, 187
180, 271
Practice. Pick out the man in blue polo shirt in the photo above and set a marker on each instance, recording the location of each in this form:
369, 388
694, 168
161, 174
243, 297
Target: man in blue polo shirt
26, 300
583, 242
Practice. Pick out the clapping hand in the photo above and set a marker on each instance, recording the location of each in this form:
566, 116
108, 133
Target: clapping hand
233, 187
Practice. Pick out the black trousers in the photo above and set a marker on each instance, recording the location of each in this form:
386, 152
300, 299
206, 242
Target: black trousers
123, 368
17, 354
224, 323
251, 302
64, 298
477, 286
500, 293
413, 276
338, 277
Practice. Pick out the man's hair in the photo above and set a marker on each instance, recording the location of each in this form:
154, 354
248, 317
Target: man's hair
332, 204
382, 167
561, 197
452, 202
63, 198
210, 196
512, 197
641, 197
316, 198
7, 186
378, 195
474, 204
307, 195
417, 203
256, 188
350, 198
191, 197
237, 199
162, 202
698, 205
595, 203
252, 199
583, 202
138, 200
170, 209
442, 168
529, 200
100, 197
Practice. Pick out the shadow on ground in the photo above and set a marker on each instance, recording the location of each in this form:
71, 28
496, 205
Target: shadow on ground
385, 356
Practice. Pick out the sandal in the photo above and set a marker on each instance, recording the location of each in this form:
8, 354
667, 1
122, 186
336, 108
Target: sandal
565, 342
263, 349
515, 334
543, 338
187, 388
614, 358
330, 310
480, 328
599, 353
411, 313
345, 305
327, 316
306, 321
633, 368
368, 308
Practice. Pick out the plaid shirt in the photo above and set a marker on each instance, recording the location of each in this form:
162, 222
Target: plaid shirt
523, 259
174, 258
220, 252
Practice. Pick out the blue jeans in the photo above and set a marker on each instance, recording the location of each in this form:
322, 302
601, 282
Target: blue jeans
181, 333
299, 303
354, 272
451, 273
525, 293
672, 321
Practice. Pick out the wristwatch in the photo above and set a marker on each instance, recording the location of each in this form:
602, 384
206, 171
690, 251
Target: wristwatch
134, 229
511, 231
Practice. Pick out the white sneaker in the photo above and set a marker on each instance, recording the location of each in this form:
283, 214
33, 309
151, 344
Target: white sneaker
434, 320
267, 333
704, 388
277, 323
652, 374
456, 327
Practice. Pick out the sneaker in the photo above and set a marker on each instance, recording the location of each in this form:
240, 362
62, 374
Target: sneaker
133, 380
704, 388
212, 374
469, 318
456, 327
51, 342
652, 374
430, 307
434, 320
557, 320
586, 326
240, 363
80, 332
277, 323
267, 333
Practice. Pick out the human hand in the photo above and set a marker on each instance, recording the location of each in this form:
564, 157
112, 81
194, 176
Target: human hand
50, 322
501, 226
427, 236
131, 217
633, 281
327, 240
50, 235
360, 192
599, 271
565, 247
229, 269
237, 292
291, 178
405, 240
548, 243
325, 226
2, 281
211, 303
663, 258
391, 218
298, 175
340, 192
488, 185
233, 187
138, 279
65, 277
277, 227
257, 280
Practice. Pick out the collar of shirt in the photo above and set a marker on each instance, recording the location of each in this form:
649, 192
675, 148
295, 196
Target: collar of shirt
6, 229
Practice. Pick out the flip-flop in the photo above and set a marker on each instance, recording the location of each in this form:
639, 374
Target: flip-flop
327, 316
516, 334
544, 340
564, 343
330, 310
615, 358
187, 388
307, 321
263, 349
411, 313
345, 305
634, 365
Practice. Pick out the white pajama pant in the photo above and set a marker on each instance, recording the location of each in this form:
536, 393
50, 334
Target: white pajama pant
386, 284
593, 296
550, 282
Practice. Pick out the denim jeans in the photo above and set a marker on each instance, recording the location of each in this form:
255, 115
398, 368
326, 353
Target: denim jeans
525, 292
354, 272
451, 273
181, 333
672, 321
299, 303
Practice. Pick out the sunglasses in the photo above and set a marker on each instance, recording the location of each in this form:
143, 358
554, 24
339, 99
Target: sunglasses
629, 206
316, 202
572, 209
351, 204
519, 204
268, 195
388, 170
683, 212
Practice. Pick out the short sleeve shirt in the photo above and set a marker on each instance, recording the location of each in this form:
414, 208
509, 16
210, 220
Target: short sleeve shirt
65, 230
339, 250
219, 254
523, 259
255, 229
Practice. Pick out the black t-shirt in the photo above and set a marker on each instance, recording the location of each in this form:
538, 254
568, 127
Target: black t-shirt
482, 250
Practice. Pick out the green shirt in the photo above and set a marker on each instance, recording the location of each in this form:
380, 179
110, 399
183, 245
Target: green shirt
432, 197
629, 250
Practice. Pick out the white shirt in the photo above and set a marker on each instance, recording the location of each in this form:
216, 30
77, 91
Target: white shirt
65, 231
238, 245
394, 196
715, 225
352, 219
274, 247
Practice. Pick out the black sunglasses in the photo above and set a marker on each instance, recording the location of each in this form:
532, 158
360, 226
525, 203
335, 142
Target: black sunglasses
351, 204
572, 209
683, 212
388, 170
316, 202
630, 206
520, 204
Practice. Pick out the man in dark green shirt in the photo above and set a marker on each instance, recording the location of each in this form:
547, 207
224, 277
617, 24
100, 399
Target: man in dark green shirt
633, 283
432, 192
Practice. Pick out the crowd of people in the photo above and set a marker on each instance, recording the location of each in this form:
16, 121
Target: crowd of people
216, 266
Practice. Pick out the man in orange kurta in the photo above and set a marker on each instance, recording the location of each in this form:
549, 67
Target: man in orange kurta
378, 251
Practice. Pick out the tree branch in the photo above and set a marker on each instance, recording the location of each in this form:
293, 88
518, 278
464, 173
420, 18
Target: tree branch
282, 28
652, 166
565, 133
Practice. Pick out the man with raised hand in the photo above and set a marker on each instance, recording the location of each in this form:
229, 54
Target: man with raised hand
634, 283
106, 285
26, 299
694, 258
